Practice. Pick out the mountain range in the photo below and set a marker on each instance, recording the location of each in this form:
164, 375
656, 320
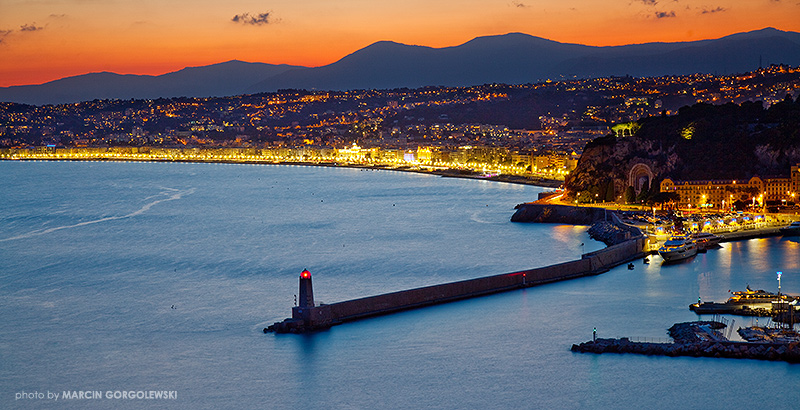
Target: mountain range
512, 58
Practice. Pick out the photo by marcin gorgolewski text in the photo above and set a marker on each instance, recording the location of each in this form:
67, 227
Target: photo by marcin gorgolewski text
97, 395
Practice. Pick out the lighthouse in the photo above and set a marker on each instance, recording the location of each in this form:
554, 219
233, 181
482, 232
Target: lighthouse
306, 299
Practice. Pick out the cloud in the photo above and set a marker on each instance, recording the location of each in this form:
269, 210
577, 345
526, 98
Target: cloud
649, 2
30, 27
519, 4
254, 20
4, 33
711, 11
664, 14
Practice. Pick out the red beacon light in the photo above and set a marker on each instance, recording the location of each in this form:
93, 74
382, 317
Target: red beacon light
305, 274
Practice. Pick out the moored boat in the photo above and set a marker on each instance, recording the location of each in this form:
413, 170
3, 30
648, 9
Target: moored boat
677, 248
747, 303
706, 240
792, 229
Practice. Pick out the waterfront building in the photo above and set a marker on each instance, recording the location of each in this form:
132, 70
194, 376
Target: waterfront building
777, 189
722, 194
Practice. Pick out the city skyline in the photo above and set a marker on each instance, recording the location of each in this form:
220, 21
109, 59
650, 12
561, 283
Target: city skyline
45, 41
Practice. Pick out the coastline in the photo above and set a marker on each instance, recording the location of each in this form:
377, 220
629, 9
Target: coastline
445, 173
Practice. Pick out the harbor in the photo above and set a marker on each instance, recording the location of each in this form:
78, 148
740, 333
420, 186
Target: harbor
627, 243
776, 341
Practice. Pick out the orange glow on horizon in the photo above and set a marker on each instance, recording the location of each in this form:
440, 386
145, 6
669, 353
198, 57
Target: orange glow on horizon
41, 42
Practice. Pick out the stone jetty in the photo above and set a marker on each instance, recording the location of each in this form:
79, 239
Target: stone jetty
308, 316
698, 339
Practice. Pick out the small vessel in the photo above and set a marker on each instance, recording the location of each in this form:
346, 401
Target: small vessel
706, 240
756, 298
677, 248
746, 303
792, 229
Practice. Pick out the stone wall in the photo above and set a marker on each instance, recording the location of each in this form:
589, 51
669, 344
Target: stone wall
304, 319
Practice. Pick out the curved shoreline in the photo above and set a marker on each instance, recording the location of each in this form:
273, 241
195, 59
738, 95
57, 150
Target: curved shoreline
446, 173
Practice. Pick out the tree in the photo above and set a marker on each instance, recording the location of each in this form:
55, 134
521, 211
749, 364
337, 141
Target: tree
584, 197
630, 195
610, 192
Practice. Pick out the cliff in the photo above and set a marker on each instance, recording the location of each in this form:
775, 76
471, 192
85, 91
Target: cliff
702, 141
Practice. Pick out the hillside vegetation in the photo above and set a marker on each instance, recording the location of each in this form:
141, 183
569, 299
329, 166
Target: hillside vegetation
701, 142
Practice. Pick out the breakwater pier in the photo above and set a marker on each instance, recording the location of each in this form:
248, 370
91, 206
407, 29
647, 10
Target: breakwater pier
703, 339
308, 316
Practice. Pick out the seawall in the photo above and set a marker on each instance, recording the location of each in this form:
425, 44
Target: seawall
323, 316
731, 350
699, 339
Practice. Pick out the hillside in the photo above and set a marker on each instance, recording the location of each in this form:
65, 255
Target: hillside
702, 142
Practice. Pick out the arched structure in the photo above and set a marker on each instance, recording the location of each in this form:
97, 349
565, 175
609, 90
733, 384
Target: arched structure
626, 129
640, 177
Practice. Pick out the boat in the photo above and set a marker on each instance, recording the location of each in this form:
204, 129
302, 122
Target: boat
756, 298
747, 303
792, 229
677, 248
706, 240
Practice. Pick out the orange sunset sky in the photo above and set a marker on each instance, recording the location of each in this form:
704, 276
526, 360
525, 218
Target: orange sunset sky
44, 40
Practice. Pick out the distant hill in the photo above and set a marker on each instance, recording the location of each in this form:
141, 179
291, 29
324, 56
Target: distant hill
520, 58
513, 58
224, 79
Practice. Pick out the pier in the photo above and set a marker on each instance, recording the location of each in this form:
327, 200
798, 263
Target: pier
309, 317
703, 339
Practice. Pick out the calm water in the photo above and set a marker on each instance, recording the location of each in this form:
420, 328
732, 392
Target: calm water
150, 276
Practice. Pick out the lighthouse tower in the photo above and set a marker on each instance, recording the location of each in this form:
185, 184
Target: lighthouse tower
306, 295
305, 299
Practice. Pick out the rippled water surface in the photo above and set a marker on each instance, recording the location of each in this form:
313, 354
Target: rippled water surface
155, 276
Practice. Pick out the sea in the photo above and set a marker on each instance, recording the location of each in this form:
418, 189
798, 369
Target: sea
133, 285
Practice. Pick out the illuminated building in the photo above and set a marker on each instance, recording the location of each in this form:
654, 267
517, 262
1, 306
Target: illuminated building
723, 194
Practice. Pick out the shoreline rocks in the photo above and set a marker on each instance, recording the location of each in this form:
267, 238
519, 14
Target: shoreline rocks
564, 214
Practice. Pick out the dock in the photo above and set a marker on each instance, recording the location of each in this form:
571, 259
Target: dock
702, 339
765, 232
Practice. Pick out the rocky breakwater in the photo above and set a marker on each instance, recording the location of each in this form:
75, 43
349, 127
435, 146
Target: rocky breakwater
605, 225
612, 233
692, 340
564, 214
